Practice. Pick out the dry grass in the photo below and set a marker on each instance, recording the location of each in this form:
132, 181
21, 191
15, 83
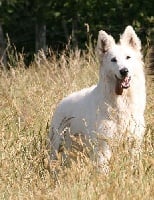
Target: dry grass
27, 101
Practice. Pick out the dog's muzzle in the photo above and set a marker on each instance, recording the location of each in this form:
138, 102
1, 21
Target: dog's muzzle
124, 72
123, 82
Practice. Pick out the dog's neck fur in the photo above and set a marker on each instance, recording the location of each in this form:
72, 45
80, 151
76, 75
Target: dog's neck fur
107, 87
126, 110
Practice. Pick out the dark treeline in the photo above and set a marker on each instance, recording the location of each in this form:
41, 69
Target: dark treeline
37, 24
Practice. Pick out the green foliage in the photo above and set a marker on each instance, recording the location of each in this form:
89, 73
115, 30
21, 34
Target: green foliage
65, 20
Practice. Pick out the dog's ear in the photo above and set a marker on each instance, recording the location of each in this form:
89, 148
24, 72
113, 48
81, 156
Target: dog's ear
130, 38
104, 42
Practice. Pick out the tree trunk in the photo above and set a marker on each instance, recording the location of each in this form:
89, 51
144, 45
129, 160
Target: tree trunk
40, 37
151, 52
2, 48
65, 30
74, 30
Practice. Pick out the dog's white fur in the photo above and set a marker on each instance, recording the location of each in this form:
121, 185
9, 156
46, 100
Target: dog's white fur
98, 112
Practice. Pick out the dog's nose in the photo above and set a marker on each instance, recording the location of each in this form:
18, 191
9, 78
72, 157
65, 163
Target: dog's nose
124, 72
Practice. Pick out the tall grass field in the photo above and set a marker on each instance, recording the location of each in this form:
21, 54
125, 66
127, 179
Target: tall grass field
28, 98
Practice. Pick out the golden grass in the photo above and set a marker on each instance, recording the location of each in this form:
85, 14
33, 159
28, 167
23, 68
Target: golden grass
28, 98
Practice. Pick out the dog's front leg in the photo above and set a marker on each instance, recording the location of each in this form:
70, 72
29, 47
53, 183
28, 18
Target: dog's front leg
136, 153
104, 155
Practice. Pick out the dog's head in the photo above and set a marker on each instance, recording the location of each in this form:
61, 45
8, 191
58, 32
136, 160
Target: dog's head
120, 61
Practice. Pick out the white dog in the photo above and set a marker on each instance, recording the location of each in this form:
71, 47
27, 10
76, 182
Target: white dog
113, 107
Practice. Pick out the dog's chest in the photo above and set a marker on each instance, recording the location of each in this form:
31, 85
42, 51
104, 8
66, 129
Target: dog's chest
115, 120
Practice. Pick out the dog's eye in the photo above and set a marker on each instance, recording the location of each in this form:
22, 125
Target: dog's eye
128, 57
114, 59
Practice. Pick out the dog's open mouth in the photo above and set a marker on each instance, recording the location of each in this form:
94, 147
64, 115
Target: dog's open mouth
121, 84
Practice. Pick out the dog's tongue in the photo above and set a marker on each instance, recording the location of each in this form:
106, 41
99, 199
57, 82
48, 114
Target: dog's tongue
122, 84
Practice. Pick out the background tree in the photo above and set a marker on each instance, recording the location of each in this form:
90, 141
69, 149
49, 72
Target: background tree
37, 24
